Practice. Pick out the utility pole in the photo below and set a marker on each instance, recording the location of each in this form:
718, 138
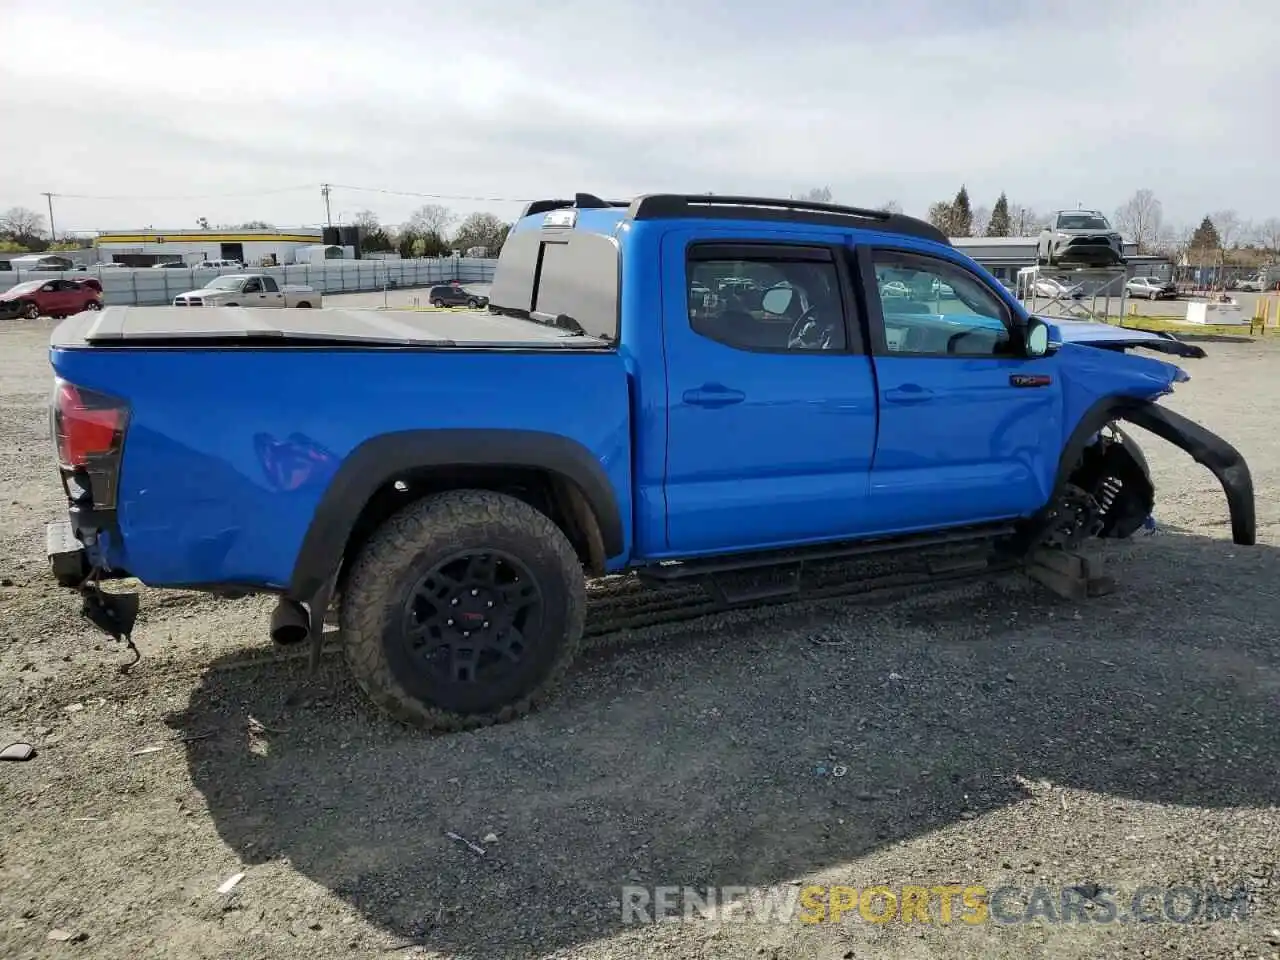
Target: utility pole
328, 215
52, 235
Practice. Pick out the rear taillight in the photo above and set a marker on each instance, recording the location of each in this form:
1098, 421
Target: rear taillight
88, 430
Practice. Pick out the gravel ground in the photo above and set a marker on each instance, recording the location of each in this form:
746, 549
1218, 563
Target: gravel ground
984, 735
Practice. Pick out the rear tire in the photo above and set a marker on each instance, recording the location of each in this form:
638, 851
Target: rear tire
437, 303
304, 305
466, 558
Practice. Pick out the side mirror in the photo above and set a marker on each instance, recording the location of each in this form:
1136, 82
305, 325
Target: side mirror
1041, 340
777, 300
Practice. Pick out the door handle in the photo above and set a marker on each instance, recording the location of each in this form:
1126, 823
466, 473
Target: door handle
908, 393
1030, 380
713, 395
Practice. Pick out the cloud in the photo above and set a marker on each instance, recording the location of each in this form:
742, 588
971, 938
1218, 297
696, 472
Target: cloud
498, 99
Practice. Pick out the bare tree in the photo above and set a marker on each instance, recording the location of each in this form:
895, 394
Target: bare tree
482, 230
1173, 241
816, 195
981, 217
1024, 221
1267, 234
891, 206
22, 226
367, 220
1229, 227
431, 218
1140, 218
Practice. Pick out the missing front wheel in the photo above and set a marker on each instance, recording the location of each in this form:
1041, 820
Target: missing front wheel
1075, 517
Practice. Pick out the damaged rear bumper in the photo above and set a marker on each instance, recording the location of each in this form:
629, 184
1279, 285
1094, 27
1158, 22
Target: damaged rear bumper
1210, 451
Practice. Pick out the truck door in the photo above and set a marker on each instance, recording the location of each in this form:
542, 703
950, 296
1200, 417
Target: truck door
771, 415
970, 430
251, 293
271, 294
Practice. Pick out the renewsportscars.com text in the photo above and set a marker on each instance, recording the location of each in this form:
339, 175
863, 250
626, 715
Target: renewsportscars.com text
937, 904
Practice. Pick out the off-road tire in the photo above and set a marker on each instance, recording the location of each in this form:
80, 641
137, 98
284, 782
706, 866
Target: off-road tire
411, 542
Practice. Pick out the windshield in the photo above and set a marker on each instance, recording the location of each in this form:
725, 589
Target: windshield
1083, 221
224, 283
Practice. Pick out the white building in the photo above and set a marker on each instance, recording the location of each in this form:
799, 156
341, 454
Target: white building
143, 248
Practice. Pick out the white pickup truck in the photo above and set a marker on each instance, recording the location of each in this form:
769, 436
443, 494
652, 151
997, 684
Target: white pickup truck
248, 290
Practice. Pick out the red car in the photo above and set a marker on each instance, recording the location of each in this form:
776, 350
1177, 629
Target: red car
51, 298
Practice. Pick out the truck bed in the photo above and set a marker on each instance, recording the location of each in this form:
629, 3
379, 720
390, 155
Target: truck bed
188, 326
231, 445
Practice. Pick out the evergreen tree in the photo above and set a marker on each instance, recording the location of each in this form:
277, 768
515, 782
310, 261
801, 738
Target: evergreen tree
1206, 237
999, 225
961, 214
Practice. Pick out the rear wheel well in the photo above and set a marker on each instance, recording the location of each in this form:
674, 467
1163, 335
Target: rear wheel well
551, 493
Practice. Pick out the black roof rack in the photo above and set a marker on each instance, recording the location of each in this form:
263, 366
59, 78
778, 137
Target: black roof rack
580, 201
674, 206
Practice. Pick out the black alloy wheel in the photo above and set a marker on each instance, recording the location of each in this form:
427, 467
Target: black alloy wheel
466, 620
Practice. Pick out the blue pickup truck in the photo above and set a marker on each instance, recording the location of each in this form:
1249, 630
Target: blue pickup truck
674, 383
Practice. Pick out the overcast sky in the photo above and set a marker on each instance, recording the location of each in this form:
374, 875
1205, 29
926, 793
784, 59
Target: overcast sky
237, 111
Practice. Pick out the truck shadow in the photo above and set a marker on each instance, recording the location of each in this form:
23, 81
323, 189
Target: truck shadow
712, 763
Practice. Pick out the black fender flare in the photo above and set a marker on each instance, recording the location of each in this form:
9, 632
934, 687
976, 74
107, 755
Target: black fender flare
1206, 448
377, 461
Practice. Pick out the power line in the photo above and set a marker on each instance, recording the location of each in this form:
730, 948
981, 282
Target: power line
325, 190
427, 196
197, 196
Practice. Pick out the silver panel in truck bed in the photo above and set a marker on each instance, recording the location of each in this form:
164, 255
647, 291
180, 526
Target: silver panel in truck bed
177, 326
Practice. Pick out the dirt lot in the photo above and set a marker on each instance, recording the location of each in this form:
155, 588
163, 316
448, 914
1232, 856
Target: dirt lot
985, 735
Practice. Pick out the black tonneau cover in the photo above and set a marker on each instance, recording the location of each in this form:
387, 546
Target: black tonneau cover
208, 326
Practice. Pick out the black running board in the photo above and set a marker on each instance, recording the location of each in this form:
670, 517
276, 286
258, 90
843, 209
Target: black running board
677, 570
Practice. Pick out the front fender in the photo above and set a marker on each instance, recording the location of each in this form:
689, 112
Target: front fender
1205, 448
1208, 450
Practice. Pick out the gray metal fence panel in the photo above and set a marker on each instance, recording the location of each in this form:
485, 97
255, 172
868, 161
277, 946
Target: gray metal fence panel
150, 287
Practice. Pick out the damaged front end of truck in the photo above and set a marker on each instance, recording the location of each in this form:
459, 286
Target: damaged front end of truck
1104, 486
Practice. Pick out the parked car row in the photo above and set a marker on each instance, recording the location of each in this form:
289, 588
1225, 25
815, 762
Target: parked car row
1149, 288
